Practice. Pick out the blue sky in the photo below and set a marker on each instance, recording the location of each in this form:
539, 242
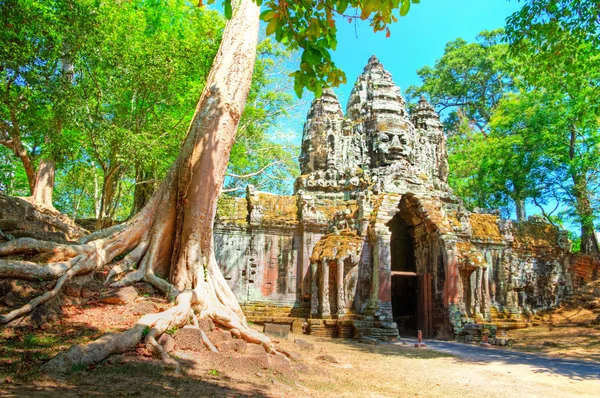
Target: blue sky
417, 39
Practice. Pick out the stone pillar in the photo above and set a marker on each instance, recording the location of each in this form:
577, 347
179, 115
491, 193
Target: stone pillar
341, 302
485, 307
314, 297
325, 306
477, 292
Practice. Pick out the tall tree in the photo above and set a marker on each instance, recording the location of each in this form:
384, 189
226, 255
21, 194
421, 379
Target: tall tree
171, 237
35, 84
558, 44
466, 85
138, 76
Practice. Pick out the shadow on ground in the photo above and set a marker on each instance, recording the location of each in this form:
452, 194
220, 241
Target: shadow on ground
571, 368
135, 379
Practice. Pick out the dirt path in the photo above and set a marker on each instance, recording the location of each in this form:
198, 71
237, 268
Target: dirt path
571, 368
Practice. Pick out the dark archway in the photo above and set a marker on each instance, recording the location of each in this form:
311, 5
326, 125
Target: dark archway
404, 281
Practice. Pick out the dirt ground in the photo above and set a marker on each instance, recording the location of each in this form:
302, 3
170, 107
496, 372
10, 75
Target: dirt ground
570, 333
332, 368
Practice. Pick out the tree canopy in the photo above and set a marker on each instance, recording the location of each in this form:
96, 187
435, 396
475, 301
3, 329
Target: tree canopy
522, 113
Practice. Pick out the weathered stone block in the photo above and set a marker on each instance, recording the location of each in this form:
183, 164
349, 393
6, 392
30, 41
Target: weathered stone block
305, 345
120, 296
167, 342
277, 329
189, 339
279, 363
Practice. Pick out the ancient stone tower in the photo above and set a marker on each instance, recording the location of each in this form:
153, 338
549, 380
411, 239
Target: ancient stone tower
374, 242
376, 147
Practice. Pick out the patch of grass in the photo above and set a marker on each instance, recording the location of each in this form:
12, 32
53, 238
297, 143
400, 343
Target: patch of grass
172, 331
39, 341
213, 372
145, 331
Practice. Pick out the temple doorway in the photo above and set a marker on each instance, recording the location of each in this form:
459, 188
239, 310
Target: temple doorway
411, 291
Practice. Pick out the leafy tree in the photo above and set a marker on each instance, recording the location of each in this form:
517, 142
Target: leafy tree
469, 78
466, 85
558, 44
35, 79
259, 156
137, 81
170, 239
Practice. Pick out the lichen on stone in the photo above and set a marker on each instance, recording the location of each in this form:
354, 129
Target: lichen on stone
337, 246
484, 227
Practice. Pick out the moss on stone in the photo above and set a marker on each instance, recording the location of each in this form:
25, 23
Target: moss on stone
232, 210
535, 234
337, 246
484, 227
279, 209
469, 258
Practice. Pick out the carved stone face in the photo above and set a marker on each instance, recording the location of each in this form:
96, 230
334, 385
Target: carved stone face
389, 147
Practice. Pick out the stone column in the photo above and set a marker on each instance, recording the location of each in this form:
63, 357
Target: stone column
314, 297
341, 302
325, 306
477, 292
485, 307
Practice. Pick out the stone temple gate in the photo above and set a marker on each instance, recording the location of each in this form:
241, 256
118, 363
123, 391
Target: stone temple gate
374, 242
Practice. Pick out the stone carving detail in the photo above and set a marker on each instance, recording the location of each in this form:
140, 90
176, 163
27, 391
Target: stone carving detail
375, 146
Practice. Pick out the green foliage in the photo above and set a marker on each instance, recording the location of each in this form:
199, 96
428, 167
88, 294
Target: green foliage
466, 85
523, 119
575, 242
172, 331
137, 80
558, 45
469, 78
13, 180
311, 27
35, 75
145, 331
78, 367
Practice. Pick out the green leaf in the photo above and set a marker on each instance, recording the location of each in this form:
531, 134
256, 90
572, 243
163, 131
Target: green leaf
272, 26
227, 9
342, 6
405, 7
318, 89
267, 15
298, 87
312, 56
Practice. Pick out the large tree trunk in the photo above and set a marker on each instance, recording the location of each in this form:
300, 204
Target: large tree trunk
172, 237
589, 243
43, 188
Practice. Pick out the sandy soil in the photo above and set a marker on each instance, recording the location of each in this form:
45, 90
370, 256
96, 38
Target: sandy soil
335, 367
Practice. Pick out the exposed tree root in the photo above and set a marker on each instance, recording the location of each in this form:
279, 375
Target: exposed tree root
42, 222
30, 245
211, 297
170, 240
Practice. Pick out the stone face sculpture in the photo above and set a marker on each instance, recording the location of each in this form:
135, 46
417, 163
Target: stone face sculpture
389, 147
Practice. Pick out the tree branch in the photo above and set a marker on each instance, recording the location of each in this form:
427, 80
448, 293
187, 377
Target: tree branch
250, 175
